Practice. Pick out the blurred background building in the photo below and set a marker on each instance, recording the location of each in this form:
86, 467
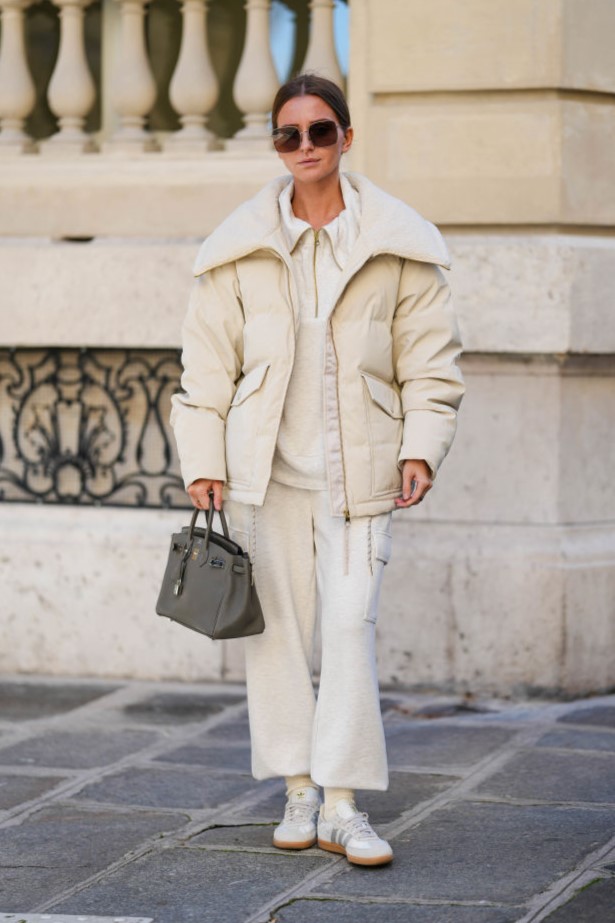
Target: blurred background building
128, 130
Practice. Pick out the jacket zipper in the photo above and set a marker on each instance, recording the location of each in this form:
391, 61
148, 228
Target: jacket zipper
316, 242
337, 387
345, 511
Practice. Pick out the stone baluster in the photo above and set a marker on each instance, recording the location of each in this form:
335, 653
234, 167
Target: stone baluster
321, 57
256, 81
17, 90
72, 92
134, 88
193, 89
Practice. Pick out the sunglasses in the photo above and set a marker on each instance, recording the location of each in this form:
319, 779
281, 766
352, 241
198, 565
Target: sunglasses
287, 139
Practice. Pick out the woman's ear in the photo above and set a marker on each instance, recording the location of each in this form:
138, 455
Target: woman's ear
348, 139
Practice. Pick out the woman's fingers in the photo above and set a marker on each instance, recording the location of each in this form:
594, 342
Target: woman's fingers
199, 492
217, 488
416, 483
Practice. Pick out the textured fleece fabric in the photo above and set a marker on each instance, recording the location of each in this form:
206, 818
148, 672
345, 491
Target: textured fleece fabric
306, 559
318, 259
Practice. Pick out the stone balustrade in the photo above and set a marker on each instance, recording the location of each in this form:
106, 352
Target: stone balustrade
132, 83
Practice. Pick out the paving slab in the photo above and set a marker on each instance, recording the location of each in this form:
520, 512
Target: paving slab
573, 739
82, 749
491, 852
179, 707
319, 910
66, 918
15, 790
234, 731
258, 836
194, 885
594, 904
440, 746
270, 806
550, 776
213, 756
62, 845
406, 791
168, 788
595, 715
27, 701
442, 708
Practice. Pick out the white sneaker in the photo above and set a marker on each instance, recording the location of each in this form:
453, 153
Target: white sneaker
349, 832
298, 829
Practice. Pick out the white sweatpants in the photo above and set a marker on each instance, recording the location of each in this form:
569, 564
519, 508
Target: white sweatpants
305, 559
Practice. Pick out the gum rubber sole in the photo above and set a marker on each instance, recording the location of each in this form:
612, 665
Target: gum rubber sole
356, 860
299, 844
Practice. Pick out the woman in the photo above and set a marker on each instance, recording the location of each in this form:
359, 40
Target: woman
320, 393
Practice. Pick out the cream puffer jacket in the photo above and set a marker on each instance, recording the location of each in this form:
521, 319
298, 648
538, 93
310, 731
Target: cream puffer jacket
391, 385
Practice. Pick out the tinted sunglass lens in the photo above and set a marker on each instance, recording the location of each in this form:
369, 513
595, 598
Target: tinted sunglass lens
323, 134
286, 141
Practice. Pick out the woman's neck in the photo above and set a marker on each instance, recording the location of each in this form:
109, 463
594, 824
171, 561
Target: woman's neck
318, 203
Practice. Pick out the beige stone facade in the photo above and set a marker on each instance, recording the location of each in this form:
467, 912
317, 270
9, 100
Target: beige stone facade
495, 118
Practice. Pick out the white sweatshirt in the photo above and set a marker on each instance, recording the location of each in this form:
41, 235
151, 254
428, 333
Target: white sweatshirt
318, 259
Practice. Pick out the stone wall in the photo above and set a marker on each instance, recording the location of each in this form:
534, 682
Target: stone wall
495, 118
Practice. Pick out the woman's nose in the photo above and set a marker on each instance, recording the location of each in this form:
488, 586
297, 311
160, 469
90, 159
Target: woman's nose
306, 141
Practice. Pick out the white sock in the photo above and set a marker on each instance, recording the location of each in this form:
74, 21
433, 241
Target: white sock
294, 782
333, 795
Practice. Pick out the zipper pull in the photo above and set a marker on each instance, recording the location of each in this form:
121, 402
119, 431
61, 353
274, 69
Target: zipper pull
347, 516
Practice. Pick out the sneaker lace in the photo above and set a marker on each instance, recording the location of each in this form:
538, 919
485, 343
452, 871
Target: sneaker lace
298, 812
359, 826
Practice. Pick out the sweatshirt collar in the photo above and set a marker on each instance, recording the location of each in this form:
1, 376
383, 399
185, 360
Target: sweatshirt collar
342, 231
387, 225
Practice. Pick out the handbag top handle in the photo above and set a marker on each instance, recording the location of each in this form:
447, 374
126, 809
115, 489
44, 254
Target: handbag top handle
210, 518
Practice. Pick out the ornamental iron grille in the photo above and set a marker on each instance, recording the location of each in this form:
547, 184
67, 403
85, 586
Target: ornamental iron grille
89, 426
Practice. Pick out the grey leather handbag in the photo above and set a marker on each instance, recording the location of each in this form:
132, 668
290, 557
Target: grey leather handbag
207, 584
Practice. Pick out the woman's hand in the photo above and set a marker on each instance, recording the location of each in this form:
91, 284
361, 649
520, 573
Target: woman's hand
416, 481
199, 493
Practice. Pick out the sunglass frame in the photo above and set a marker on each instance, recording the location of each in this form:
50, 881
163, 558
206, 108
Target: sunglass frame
294, 136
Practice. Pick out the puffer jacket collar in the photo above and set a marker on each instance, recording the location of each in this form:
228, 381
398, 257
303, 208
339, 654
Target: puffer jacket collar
388, 225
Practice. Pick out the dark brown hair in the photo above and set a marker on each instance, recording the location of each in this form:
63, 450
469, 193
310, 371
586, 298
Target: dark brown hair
312, 85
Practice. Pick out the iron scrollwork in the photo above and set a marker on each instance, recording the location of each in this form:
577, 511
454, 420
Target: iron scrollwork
89, 426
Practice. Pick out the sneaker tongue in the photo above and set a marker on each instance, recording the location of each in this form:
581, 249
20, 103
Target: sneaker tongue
346, 809
299, 795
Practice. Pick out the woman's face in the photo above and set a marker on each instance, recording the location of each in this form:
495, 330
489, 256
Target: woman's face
311, 164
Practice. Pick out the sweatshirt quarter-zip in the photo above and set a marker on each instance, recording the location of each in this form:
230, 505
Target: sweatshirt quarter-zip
316, 242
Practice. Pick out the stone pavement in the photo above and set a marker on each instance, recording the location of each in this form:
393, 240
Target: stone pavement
133, 801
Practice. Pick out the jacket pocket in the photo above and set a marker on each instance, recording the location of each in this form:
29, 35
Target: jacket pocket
385, 424
379, 554
250, 383
384, 395
242, 426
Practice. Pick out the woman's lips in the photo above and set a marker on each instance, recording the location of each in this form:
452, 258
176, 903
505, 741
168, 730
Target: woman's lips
307, 163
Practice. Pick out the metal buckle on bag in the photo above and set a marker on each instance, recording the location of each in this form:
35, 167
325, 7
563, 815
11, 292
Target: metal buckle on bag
177, 588
216, 562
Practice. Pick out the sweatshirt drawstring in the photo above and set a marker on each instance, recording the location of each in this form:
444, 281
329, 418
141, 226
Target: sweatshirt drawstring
253, 539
